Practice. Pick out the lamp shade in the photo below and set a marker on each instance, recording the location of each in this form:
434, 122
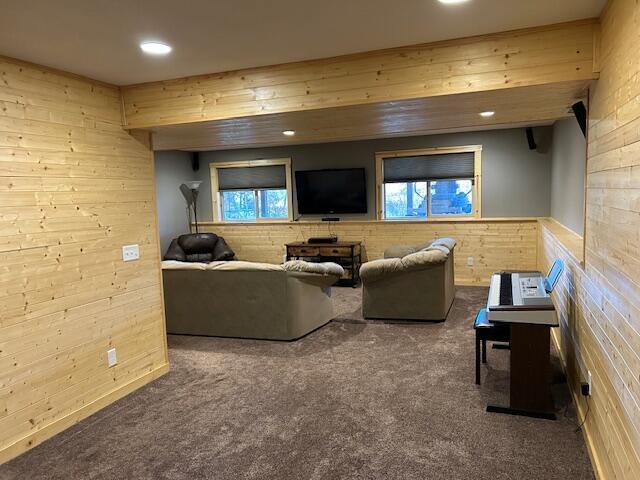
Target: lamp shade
187, 193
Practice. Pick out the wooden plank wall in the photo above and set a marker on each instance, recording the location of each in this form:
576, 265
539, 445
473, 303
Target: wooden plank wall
594, 336
536, 56
74, 188
494, 245
601, 300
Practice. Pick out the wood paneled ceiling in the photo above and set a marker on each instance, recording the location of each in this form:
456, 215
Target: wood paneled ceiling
514, 107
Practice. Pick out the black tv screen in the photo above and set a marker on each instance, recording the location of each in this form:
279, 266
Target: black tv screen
331, 191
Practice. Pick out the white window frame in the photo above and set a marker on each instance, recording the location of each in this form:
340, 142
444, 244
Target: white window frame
477, 182
216, 194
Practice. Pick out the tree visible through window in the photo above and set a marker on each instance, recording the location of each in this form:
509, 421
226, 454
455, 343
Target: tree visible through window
405, 200
250, 205
251, 190
273, 204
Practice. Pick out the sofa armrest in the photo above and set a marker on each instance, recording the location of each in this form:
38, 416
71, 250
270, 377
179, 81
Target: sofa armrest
323, 268
377, 269
320, 274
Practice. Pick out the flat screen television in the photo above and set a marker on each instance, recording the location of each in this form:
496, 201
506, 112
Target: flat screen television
331, 191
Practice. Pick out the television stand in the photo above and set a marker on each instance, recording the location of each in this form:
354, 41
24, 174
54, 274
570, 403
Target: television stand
346, 254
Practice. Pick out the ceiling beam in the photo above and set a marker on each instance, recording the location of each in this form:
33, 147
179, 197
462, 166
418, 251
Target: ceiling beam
522, 106
501, 61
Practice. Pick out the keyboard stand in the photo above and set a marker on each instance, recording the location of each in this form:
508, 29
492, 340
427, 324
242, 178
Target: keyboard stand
530, 376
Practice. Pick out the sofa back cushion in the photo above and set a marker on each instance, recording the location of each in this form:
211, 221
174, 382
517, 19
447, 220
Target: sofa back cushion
399, 251
194, 243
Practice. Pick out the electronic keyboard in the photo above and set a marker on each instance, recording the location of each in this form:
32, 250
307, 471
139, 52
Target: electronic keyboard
523, 297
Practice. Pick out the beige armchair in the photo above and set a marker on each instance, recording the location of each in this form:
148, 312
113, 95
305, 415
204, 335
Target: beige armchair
410, 283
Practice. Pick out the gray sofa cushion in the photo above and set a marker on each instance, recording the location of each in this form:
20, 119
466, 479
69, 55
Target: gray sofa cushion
400, 251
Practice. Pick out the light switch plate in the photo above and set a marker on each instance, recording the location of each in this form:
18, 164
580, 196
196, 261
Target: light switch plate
112, 359
470, 261
130, 252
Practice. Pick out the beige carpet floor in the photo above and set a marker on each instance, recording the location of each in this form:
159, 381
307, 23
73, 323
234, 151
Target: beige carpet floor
352, 400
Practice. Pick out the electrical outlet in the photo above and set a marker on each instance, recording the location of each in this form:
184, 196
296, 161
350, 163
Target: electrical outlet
112, 359
130, 252
470, 261
585, 387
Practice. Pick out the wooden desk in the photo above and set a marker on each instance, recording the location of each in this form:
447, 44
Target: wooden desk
530, 375
346, 254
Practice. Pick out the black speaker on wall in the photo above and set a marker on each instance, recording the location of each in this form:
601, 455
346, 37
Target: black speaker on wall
195, 161
580, 111
530, 140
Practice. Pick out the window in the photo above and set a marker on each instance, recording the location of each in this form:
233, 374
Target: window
251, 191
419, 184
451, 197
405, 200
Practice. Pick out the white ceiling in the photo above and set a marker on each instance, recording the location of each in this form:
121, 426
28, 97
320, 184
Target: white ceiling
99, 38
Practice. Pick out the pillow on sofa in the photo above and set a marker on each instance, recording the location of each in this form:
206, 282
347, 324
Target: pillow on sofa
445, 241
440, 248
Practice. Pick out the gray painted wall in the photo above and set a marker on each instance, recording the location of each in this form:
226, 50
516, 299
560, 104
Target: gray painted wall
172, 169
516, 180
567, 173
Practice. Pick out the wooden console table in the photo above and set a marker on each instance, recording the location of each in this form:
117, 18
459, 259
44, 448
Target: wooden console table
346, 254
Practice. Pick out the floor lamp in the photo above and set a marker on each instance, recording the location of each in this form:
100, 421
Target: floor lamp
190, 192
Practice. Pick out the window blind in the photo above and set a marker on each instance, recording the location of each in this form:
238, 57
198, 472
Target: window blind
429, 167
251, 178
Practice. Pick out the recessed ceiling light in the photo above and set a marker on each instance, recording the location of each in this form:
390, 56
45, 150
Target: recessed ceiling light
155, 48
451, 2
289, 133
487, 114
